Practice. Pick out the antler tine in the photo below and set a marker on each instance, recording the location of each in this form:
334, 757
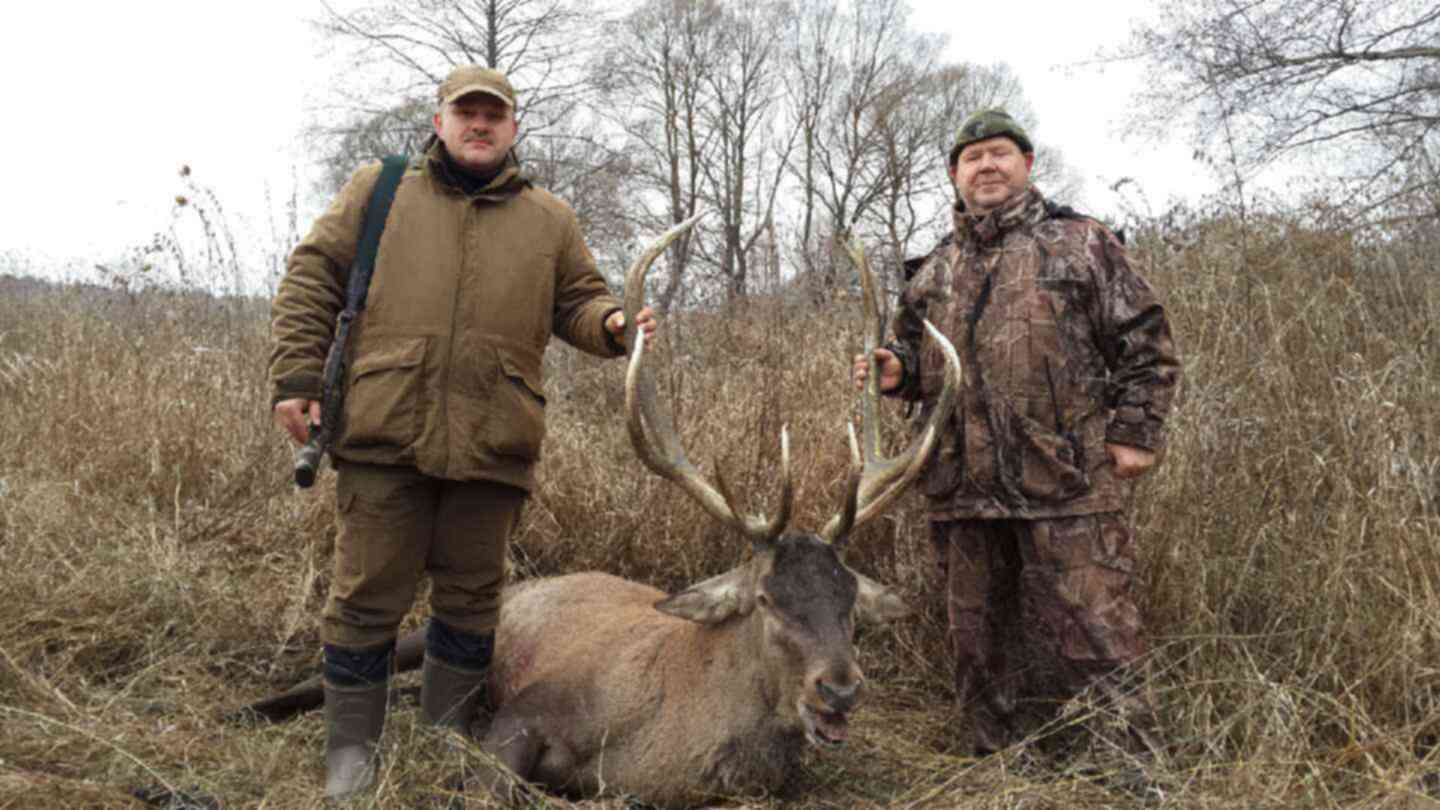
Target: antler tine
883, 480
652, 431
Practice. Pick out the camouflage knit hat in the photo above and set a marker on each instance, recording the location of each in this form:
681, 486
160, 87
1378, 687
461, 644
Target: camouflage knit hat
987, 124
468, 79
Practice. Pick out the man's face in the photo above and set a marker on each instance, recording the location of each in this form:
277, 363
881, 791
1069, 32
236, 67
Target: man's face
478, 130
989, 172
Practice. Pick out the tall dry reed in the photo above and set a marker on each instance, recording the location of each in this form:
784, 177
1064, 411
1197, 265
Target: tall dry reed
161, 571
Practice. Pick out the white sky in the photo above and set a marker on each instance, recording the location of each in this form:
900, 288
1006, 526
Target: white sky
122, 94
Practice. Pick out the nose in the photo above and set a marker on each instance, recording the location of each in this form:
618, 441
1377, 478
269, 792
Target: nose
840, 695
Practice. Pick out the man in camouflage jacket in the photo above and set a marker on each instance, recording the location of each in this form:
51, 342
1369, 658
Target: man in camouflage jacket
444, 409
1069, 374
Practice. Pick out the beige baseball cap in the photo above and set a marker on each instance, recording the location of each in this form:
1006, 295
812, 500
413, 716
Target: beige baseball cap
468, 79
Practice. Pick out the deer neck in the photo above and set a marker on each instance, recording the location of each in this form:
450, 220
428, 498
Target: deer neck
730, 658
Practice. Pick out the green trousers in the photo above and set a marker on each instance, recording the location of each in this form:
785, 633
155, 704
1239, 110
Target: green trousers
397, 525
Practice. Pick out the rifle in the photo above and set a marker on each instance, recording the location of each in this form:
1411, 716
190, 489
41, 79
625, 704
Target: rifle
332, 386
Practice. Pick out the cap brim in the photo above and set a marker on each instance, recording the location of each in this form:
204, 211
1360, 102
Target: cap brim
477, 88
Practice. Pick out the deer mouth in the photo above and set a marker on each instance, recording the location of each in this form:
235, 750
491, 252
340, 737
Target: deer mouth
825, 729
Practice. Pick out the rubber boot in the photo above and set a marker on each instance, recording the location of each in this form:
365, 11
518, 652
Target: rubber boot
450, 695
452, 681
354, 717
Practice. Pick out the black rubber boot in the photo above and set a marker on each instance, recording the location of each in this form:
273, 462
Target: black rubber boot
450, 696
452, 681
356, 693
354, 718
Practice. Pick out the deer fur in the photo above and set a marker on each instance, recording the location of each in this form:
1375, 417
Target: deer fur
603, 684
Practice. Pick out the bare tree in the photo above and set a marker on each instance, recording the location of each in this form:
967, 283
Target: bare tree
751, 148
581, 167
654, 88
695, 85
1355, 83
853, 67
878, 61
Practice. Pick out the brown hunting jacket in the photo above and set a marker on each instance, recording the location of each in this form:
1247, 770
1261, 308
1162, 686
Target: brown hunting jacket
445, 371
1064, 348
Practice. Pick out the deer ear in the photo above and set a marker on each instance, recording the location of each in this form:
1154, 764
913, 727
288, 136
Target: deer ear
714, 600
877, 603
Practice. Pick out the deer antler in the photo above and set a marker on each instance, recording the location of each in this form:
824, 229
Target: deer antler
652, 431
876, 482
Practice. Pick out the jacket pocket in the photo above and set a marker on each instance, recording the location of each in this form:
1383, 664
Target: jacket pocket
943, 471
382, 400
1052, 464
518, 426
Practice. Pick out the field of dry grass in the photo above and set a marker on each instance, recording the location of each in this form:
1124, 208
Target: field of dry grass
159, 570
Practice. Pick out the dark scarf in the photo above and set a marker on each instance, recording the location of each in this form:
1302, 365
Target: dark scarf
468, 181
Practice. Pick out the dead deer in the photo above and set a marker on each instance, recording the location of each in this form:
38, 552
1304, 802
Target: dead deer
606, 684
601, 685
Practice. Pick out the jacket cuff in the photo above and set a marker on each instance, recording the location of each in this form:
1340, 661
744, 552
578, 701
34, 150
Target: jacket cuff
1132, 426
611, 342
300, 386
906, 389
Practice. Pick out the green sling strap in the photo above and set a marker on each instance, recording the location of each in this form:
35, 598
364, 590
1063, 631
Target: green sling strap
307, 460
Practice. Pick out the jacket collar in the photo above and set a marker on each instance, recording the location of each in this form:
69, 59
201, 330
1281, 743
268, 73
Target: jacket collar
1025, 208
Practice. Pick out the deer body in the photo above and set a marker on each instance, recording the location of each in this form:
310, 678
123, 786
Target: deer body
621, 698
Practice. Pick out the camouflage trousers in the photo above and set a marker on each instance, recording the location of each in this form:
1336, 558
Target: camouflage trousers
1037, 609
397, 525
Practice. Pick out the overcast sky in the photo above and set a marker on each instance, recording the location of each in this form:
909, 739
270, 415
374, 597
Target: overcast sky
106, 101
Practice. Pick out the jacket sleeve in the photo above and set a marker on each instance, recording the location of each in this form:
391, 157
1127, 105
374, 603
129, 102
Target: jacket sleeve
582, 299
908, 326
312, 293
1138, 348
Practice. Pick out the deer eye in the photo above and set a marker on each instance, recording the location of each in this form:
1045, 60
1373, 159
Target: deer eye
764, 601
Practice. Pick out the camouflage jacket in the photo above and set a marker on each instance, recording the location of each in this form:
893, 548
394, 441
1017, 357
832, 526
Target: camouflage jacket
1064, 348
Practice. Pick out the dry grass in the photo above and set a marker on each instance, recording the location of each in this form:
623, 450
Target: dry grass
160, 570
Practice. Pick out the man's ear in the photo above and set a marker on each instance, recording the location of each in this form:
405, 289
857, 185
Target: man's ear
877, 603
714, 600
436, 122
1029, 162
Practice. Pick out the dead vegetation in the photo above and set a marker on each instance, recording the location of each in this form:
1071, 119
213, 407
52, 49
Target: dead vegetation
160, 570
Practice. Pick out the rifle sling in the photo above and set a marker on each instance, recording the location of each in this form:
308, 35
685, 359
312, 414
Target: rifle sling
392, 168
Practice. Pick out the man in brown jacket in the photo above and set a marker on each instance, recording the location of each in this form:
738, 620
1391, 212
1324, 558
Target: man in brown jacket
444, 408
1069, 373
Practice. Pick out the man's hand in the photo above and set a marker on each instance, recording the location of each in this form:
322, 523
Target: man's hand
296, 416
890, 370
645, 319
1130, 462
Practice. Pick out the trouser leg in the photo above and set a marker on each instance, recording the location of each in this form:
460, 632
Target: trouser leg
385, 517
979, 570
468, 570
1078, 580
